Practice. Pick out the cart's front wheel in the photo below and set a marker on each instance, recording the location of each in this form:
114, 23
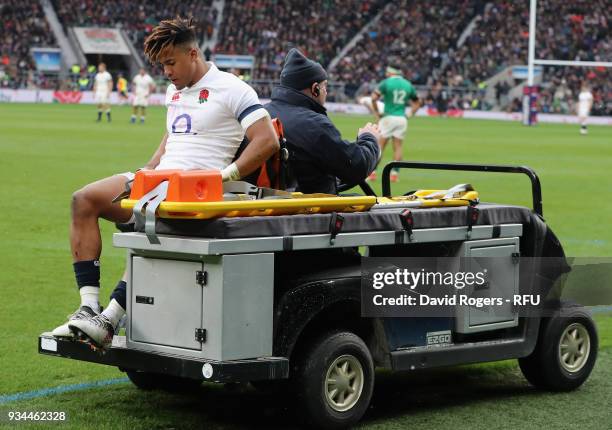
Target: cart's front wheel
565, 353
334, 380
155, 381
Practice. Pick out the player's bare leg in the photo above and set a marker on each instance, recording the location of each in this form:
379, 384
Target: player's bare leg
107, 109
397, 156
134, 113
382, 143
397, 149
99, 113
88, 205
583, 125
142, 114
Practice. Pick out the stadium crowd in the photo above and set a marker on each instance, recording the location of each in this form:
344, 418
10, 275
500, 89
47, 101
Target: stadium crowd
419, 37
23, 26
412, 35
267, 29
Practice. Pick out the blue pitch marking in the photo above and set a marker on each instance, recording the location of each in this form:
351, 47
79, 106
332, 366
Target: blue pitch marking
27, 395
600, 309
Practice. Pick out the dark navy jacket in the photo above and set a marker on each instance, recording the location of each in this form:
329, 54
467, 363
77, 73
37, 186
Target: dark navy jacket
317, 153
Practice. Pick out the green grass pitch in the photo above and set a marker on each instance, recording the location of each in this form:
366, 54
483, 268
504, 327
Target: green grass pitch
49, 151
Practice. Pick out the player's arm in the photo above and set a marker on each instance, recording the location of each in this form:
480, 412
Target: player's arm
258, 129
415, 102
415, 105
154, 161
263, 143
110, 85
375, 97
376, 94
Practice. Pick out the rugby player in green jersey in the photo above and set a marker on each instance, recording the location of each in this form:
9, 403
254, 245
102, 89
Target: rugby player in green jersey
397, 92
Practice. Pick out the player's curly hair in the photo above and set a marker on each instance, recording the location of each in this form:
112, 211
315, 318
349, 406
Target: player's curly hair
170, 32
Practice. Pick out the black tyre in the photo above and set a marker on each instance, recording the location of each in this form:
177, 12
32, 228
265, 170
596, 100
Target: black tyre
156, 381
565, 353
334, 379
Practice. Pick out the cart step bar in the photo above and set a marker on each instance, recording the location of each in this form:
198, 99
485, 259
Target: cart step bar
256, 369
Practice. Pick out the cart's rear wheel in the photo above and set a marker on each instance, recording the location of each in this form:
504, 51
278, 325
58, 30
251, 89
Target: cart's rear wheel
565, 353
156, 381
334, 380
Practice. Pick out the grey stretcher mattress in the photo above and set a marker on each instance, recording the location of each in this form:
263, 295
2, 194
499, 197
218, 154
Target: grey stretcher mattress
373, 220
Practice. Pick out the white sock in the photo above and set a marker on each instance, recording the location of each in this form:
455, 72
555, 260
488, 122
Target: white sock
114, 312
89, 297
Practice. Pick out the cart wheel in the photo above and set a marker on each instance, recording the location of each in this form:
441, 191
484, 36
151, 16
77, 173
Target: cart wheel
156, 381
334, 381
565, 353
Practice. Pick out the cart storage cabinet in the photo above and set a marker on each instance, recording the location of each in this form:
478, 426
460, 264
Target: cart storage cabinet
499, 257
224, 304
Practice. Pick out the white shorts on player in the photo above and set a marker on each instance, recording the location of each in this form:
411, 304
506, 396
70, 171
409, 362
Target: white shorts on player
393, 126
583, 111
102, 97
141, 100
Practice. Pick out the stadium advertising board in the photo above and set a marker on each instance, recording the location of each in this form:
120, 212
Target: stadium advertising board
47, 59
520, 72
101, 41
234, 61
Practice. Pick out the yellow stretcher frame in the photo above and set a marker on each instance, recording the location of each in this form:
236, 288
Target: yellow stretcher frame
263, 207
418, 200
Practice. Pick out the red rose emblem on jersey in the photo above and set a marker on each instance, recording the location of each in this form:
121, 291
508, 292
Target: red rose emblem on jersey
176, 97
203, 96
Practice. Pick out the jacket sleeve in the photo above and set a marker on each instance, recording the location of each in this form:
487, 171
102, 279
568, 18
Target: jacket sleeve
350, 162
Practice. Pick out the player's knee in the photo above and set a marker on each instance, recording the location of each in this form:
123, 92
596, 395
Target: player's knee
82, 204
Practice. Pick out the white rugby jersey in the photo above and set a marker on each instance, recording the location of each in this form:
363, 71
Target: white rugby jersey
102, 80
207, 122
585, 98
142, 84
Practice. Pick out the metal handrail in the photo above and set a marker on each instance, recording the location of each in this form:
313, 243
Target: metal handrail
536, 189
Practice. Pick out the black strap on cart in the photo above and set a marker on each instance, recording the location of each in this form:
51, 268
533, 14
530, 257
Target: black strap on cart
407, 221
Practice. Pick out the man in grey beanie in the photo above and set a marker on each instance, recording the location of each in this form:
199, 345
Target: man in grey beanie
318, 154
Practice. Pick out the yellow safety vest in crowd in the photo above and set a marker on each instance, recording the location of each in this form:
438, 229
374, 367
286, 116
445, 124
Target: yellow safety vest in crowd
76, 69
122, 84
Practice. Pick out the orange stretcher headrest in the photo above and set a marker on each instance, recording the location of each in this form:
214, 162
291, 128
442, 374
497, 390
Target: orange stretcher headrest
183, 185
